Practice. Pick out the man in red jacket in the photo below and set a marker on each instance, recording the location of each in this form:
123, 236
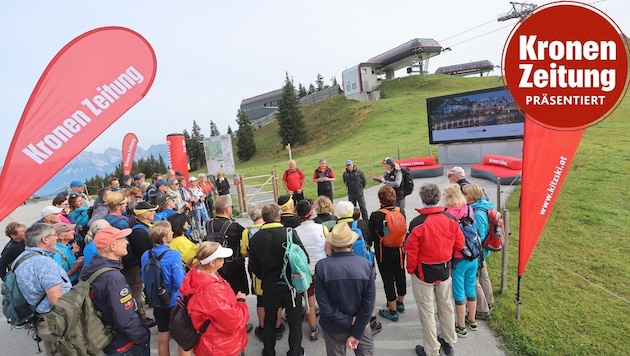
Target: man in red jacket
433, 239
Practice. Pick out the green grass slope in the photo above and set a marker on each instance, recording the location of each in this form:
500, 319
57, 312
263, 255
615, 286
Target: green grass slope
575, 292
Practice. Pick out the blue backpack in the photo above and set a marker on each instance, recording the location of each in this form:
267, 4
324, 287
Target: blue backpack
296, 258
472, 247
359, 247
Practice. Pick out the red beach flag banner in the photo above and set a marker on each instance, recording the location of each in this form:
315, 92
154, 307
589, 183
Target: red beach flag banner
130, 143
86, 87
566, 79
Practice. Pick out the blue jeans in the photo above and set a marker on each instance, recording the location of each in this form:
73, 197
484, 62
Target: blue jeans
135, 350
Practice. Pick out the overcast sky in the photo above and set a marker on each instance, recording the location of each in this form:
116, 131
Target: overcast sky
211, 54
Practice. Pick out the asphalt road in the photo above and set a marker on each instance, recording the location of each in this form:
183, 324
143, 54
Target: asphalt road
397, 338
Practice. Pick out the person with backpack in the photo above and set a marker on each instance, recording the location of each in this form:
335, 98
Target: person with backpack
345, 290
40, 279
475, 196
210, 298
388, 229
463, 269
393, 177
266, 261
325, 178
348, 214
66, 251
355, 181
433, 239
99, 209
111, 295
293, 181
162, 275
254, 211
139, 242
313, 237
78, 216
229, 234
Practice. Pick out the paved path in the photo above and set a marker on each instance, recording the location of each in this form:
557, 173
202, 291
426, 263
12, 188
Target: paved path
397, 338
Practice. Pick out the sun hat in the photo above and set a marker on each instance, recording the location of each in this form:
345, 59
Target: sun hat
221, 252
60, 228
115, 198
107, 235
342, 236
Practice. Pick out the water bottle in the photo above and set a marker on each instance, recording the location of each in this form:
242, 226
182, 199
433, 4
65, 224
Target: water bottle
385, 228
164, 296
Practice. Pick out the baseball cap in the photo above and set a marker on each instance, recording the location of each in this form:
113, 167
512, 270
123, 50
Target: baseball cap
457, 171
221, 252
192, 179
161, 182
390, 161
109, 234
349, 162
76, 183
50, 209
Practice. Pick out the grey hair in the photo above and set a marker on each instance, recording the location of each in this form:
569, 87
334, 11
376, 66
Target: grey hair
35, 233
430, 194
254, 210
96, 226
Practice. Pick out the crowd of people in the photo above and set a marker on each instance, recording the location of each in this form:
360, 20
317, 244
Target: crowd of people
126, 226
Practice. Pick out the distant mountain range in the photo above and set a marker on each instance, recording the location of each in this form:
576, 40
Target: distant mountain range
88, 164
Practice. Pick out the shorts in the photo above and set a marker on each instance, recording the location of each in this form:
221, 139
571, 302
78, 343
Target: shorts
311, 290
162, 316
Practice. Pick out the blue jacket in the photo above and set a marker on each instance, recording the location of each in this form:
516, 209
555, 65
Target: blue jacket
344, 288
112, 296
481, 220
172, 270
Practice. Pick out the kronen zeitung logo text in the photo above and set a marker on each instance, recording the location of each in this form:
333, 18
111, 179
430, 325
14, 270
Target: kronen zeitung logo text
557, 76
108, 95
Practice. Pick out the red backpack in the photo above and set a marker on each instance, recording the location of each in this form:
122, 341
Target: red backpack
394, 228
496, 230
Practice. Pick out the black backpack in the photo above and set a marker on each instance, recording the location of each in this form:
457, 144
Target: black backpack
154, 287
407, 180
181, 327
219, 236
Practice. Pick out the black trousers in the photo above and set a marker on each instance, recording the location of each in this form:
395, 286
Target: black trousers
391, 264
271, 303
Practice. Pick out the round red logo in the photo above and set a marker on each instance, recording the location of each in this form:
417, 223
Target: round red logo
566, 65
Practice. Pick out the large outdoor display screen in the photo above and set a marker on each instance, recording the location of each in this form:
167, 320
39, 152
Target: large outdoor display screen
480, 115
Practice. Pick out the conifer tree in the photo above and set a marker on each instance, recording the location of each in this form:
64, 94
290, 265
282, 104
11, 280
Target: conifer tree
246, 147
290, 120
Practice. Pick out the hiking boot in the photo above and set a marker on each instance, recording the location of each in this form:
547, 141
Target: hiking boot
482, 316
400, 307
472, 325
420, 351
249, 327
461, 331
258, 332
376, 326
448, 349
387, 314
280, 331
150, 322
314, 335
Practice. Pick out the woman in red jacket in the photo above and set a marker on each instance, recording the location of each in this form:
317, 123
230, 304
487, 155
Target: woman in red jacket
213, 299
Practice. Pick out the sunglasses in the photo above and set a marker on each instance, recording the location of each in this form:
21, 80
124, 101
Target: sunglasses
74, 195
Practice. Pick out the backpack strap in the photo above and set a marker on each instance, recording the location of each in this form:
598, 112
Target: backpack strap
98, 273
15, 266
64, 259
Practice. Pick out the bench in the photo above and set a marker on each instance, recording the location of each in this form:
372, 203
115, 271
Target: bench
495, 166
422, 167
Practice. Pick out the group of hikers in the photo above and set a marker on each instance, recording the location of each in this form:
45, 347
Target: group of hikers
132, 226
